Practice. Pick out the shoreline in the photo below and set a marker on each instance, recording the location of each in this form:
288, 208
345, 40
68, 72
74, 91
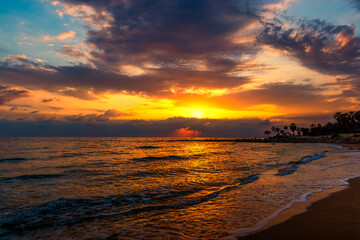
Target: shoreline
353, 138
330, 214
296, 207
350, 138
336, 216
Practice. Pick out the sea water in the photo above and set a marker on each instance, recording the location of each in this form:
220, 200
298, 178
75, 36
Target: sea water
156, 188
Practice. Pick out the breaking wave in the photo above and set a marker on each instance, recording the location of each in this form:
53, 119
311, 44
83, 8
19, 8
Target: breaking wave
303, 160
151, 158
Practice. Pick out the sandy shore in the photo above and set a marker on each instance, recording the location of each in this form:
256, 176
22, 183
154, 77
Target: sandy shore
336, 216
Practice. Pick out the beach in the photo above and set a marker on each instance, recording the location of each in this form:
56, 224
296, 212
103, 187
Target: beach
332, 214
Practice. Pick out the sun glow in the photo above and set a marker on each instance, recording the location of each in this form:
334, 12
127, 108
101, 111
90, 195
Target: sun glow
198, 113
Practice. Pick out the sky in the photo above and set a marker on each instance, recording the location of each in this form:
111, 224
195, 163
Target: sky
180, 68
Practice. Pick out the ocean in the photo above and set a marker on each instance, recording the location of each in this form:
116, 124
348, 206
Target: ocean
157, 188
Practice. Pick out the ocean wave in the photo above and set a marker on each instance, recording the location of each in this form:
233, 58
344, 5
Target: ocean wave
15, 159
26, 219
249, 179
303, 160
199, 155
32, 177
85, 154
148, 147
189, 201
277, 165
80, 171
142, 174
69, 155
222, 153
151, 158
69, 212
311, 158
105, 152
287, 171
243, 169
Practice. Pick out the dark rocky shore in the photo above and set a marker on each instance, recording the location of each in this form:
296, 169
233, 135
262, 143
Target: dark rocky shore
351, 138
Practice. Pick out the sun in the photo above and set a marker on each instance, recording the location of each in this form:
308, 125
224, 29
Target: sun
197, 113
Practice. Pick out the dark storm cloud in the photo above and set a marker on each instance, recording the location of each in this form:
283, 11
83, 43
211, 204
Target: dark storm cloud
178, 43
7, 94
78, 80
136, 128
71, 51
318, 45
165, 31
356, 3
106, 116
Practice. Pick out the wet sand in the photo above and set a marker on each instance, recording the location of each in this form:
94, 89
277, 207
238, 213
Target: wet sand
336, 216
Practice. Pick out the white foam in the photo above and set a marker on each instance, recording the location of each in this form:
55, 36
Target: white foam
349, 155
336, 147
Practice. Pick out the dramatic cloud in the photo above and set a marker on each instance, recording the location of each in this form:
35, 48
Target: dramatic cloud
82, 79
92, 16
136, 128
160, 32
25, 112
318, 45
108, 115
165, 44
7, 94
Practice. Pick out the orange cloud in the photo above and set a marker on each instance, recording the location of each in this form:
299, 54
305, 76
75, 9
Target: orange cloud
186, 132
60, 37
15, 57
96, 18
66, 35
22, 57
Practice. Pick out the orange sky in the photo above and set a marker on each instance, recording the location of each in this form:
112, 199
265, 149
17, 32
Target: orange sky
270, 60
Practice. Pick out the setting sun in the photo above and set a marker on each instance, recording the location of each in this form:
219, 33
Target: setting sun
198, 113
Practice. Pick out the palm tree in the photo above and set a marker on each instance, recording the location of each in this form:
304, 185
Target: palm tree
293, 128
273, 129
298, 131
277, 129
267, 132
305, 131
